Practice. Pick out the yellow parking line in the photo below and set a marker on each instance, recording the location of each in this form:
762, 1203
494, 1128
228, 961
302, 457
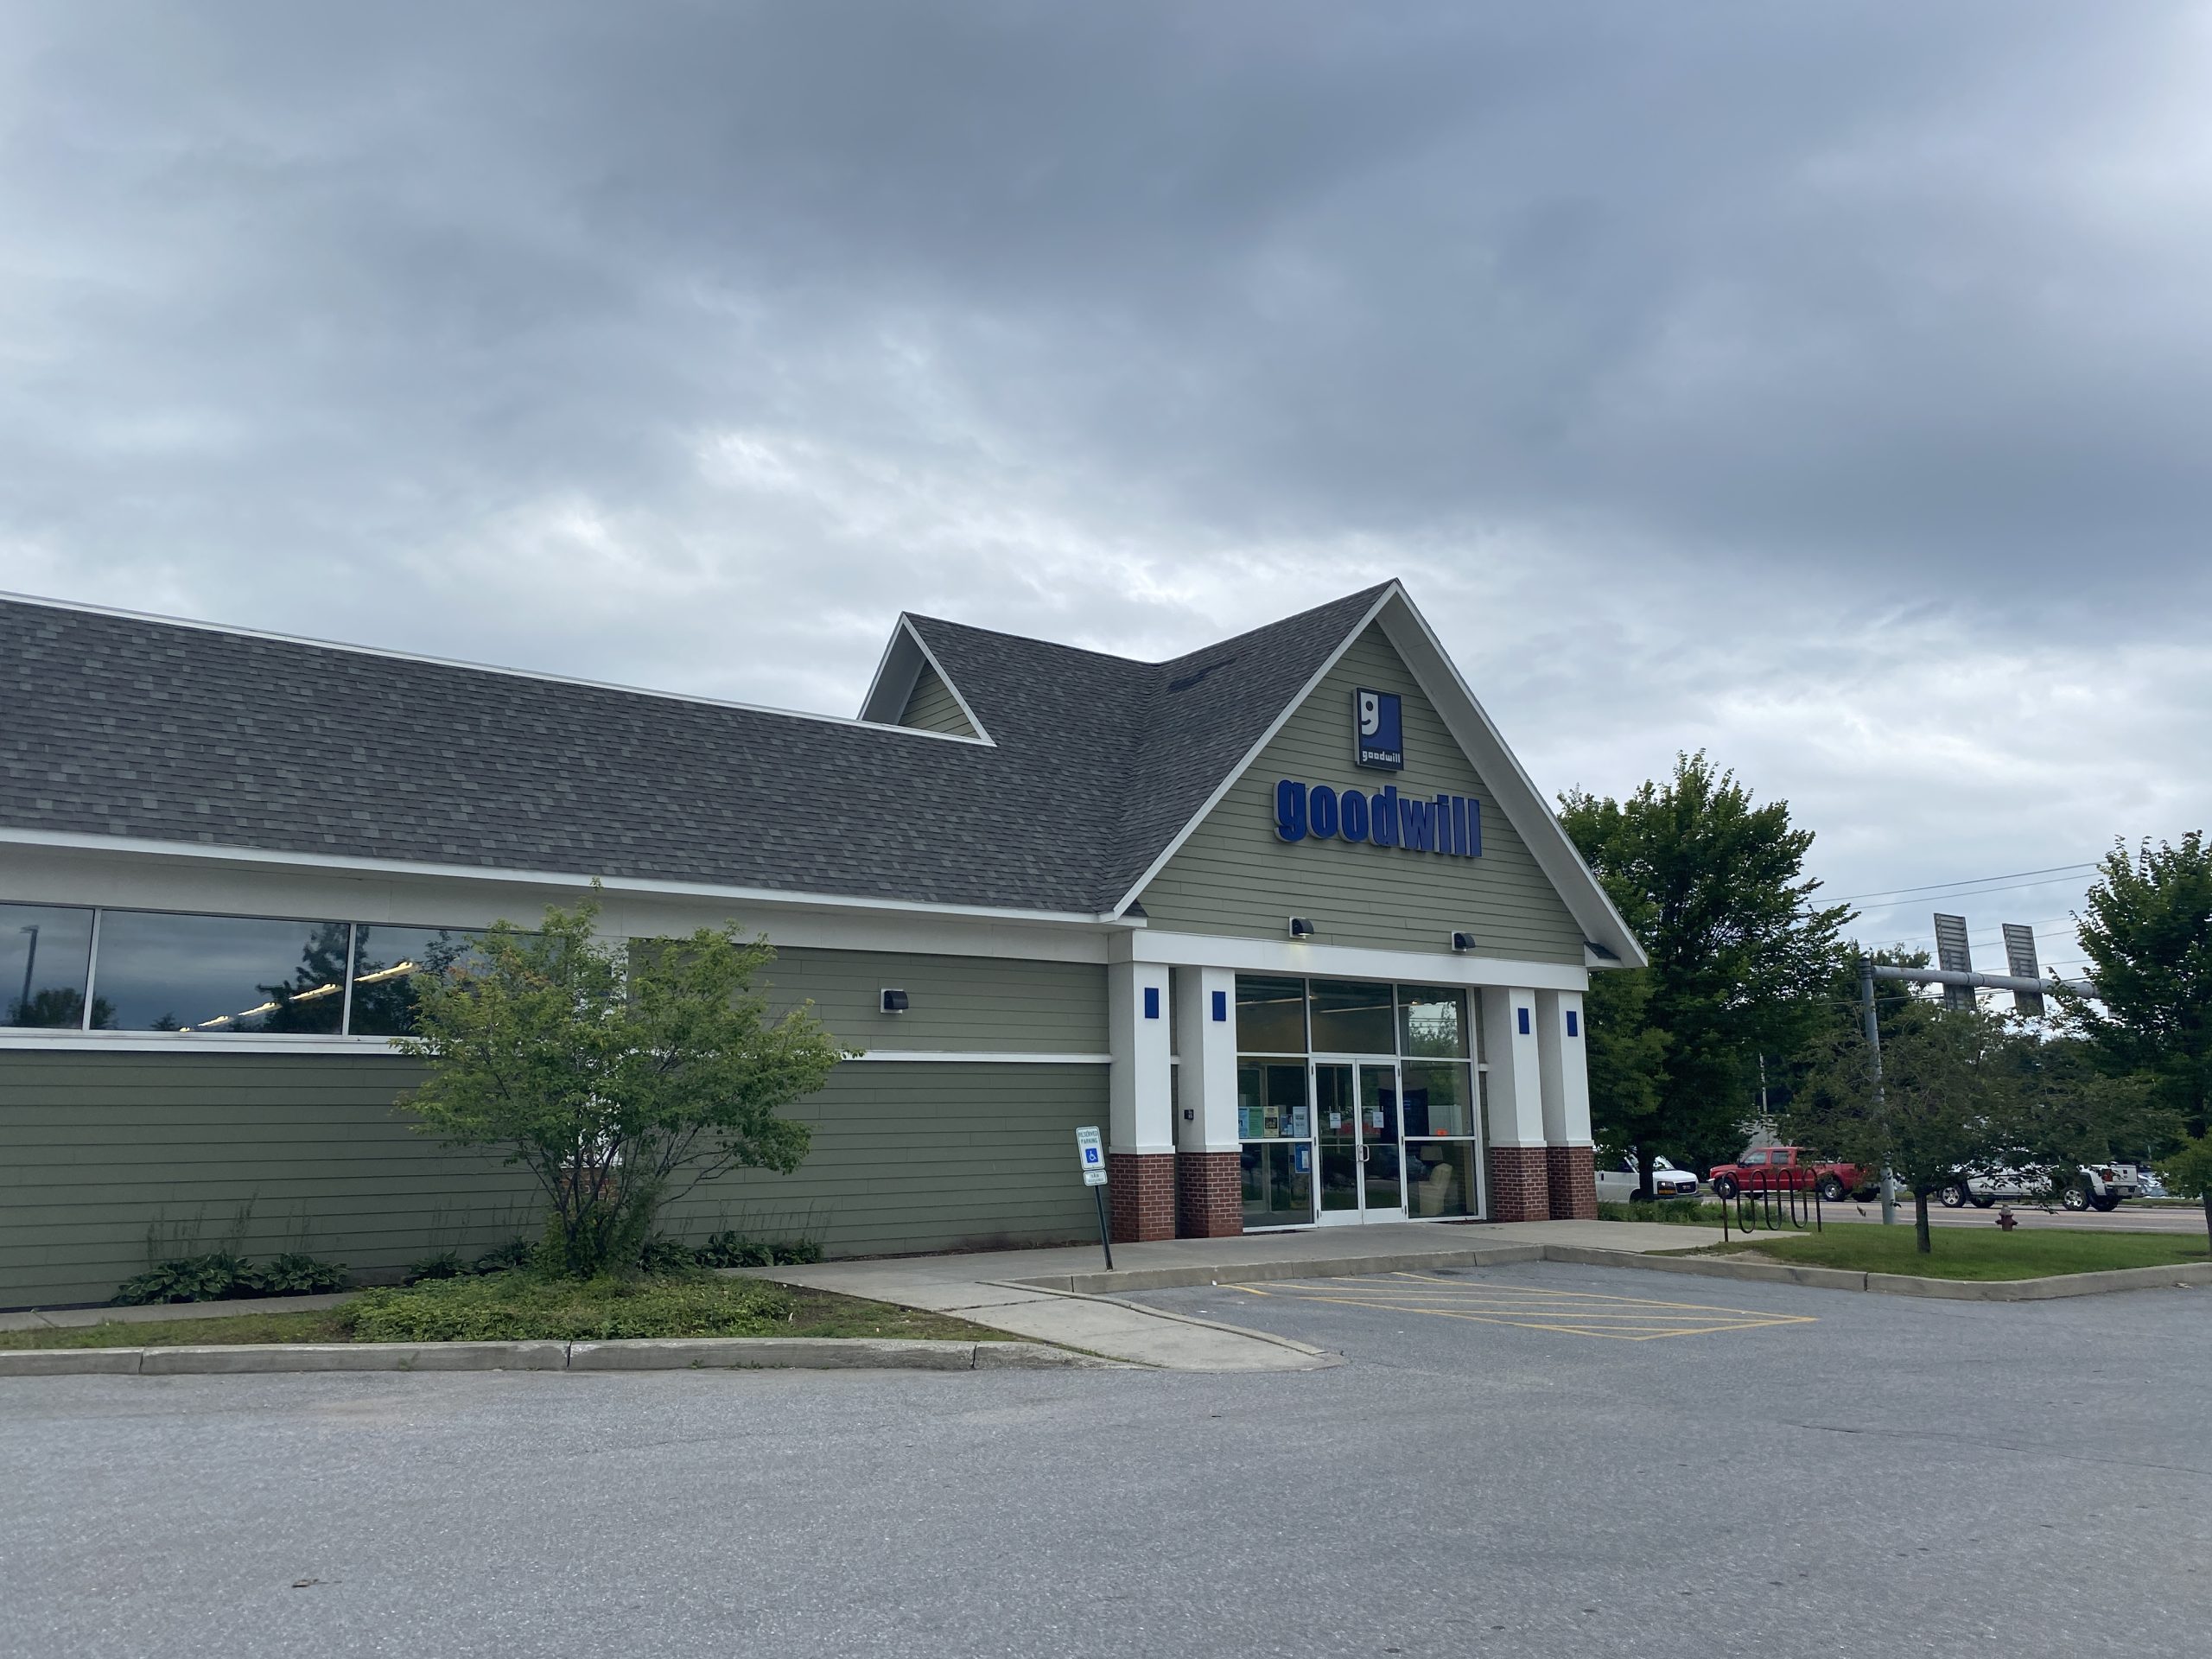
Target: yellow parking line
1574, 1313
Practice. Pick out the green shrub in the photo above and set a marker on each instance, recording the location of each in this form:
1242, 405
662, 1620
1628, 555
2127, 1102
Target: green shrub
735, 1250
663, 1256
223, 1276
505, 1258
297, 1273
1687, 1212
522, 1307
445, 1264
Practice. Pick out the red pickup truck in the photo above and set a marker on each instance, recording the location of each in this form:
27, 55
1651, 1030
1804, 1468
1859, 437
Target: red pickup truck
1780, 1169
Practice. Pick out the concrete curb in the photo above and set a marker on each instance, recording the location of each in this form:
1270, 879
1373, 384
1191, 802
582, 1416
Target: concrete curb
1894, 1284
675, 1354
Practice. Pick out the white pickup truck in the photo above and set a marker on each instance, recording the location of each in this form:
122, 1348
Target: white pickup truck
1621, 1181
2099, 1186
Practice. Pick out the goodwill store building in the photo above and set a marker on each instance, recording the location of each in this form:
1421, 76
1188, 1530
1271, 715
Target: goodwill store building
1284, 915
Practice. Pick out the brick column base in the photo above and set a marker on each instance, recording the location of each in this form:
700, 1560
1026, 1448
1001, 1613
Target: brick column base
1209, 1194
1140, 1195
1520, 1184
1573, 1173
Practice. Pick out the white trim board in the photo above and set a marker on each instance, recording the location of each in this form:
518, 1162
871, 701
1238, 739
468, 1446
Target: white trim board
1352, 961
897, 674
156, 1042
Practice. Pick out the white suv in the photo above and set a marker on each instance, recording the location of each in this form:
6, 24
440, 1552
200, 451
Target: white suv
2100, 1186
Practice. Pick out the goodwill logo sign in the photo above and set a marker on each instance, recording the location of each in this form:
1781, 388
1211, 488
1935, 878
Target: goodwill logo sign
1378, 730
1449, 824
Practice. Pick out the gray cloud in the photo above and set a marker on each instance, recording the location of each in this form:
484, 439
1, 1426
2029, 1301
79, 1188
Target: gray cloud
1816, 383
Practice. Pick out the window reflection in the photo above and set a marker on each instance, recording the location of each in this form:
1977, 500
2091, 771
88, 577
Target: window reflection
219, 975
385, 961
1270, 1015
1352, 1016
46, 952
1432, 1022
1437, 1098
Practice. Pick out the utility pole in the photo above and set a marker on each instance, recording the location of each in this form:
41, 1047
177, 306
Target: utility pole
1874, 1054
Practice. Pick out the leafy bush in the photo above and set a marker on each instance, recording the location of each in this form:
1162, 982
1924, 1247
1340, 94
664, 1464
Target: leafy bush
522, 1307
735, 1250
663, 1256
445, 1264
223, 1276
1689, 1212
297, 1273
505, 1258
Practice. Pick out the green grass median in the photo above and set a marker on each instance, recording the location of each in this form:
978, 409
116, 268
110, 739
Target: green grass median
1962, 1253
522, 1307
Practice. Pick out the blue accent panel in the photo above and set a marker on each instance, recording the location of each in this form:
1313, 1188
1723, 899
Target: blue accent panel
1474, 829
1574, 1023
1221, 1007
1524, 1020
1377, 728
1152, 1002
1290, 810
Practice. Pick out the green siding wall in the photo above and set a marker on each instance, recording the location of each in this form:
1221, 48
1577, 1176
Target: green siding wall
1234, 875
978, 1003
933, 708
106, 1157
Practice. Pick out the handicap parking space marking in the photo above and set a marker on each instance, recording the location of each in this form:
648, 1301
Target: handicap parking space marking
1574, 1313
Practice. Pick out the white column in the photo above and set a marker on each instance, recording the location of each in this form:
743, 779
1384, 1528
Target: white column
1513, 1051
1136, 1031
1565, 1069
1205, 1033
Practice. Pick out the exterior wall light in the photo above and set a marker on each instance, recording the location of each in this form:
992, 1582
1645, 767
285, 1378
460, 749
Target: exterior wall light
1301, 928
894, 1002
1463, 942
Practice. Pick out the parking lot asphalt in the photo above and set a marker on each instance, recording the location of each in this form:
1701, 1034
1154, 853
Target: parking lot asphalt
1497, 1468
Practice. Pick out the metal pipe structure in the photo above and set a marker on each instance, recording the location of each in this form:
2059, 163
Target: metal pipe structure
1953, 977
1867, 973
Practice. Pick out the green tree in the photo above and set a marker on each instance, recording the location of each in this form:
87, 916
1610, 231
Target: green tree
1947, 1104
2147, 935
1714, 887
620, 1078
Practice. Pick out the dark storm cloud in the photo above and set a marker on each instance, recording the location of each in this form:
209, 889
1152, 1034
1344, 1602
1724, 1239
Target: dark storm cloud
1774, 357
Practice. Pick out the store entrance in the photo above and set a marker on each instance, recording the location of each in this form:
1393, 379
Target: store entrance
1359, 1140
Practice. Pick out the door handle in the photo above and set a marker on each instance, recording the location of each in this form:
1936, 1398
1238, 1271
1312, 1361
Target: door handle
1363, 1152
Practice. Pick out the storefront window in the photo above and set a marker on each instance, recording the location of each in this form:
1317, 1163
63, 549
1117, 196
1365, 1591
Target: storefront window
1437, 1098
1274, 1122
217, 975
1440, 1177
1270, 1015
1351, 1017
1432, 1022
385, 961
46, 953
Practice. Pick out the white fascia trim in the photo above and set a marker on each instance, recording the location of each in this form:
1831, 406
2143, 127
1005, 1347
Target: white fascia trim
904, 657
157, 1042
476, 668
1352, 961
1471, 728
173, 1042
1281, 719
141, 846
979, 1057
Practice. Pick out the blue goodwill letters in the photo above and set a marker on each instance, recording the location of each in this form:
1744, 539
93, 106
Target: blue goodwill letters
1451, 824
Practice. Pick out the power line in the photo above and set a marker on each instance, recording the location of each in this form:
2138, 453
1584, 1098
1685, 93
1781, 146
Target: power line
1961, 881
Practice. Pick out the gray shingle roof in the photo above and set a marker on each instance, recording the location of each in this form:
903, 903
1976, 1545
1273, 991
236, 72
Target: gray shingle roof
133, 727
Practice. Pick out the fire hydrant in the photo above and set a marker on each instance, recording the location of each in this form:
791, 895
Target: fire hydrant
2004, 1217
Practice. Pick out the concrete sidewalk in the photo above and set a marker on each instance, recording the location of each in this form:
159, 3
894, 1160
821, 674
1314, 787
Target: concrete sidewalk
1066, 1295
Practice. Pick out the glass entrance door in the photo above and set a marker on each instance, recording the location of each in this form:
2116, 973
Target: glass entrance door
1359, 1140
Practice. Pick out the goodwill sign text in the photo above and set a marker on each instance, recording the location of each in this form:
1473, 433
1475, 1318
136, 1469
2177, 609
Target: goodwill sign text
1452, 824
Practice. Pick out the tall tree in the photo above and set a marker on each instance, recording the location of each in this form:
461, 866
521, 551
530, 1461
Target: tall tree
2146, 932
1715, 886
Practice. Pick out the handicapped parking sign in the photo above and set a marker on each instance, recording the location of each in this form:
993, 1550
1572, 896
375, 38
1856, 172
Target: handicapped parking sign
1090, 1153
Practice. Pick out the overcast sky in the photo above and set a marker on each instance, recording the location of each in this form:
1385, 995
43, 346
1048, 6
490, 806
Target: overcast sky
1826, 385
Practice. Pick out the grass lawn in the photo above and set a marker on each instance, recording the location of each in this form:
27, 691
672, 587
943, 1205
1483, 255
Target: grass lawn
509, 1307
1963, 1253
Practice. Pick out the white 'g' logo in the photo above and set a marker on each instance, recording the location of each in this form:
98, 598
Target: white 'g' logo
1370, 714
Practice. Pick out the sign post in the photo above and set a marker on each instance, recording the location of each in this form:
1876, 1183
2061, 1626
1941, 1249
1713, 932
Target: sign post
1090, 1153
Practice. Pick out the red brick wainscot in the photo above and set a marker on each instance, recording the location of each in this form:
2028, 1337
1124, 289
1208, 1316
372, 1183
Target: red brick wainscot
1573, 1171
1209, 1194
1140, 1195
1520, 1184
